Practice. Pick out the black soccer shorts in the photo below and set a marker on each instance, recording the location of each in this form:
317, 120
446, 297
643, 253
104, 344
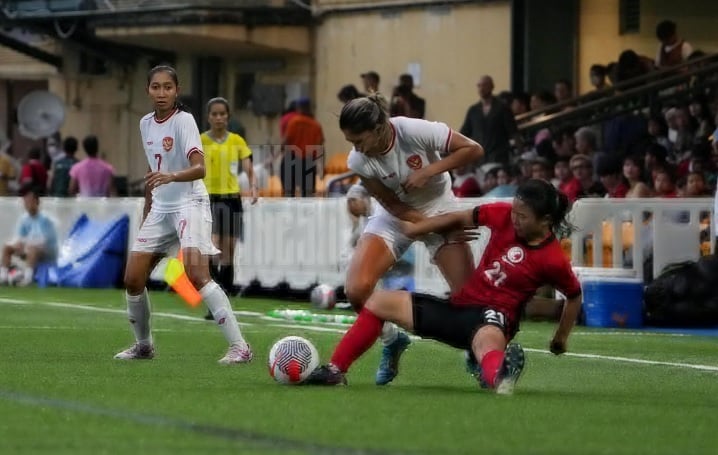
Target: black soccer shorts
227, 216
454, 325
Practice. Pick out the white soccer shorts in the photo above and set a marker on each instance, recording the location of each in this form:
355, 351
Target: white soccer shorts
191, 227
388, 227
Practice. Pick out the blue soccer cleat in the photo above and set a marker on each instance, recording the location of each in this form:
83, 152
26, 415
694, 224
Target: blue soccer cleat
513, 366
390, 355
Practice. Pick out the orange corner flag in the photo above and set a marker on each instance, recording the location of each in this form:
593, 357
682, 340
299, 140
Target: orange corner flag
176, 277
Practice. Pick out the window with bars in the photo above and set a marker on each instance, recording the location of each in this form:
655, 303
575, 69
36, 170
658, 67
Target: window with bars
629, 17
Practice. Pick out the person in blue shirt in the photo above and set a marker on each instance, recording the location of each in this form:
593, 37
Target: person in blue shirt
35, 240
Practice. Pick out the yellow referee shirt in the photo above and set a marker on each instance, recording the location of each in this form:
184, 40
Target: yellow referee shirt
222, 161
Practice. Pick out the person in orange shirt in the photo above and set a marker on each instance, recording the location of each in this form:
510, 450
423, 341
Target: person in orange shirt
302, 150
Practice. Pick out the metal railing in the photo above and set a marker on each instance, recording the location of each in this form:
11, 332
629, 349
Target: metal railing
52, 9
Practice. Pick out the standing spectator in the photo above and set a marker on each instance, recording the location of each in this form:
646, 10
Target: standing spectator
286, 117
302, 151
673, 50
348, 93
490, 123
92, 177
8, 172
33, 173
371, 82
598, 77
417, 105
35, 239
59, 184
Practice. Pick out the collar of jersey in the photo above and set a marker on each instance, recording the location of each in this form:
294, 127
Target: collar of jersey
393, 139
539, 245
174, 111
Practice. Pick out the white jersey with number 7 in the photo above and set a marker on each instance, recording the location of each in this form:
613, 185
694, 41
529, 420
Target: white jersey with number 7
168, 145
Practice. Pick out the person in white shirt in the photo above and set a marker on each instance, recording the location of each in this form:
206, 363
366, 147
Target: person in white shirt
673, 50
399, 163
176, 210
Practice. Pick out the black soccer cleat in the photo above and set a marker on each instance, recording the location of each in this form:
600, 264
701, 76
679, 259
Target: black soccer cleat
326, 375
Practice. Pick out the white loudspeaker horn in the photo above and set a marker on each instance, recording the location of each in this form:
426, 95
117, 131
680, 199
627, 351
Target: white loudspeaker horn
40, 114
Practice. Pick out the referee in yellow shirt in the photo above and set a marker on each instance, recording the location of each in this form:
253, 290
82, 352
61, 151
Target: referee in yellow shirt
224, 153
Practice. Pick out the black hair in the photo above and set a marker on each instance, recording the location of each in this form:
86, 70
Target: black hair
218, 100
173, 74
598, 70
665, 30
348, 93
545, 200
91, 145
69, 145
364, 114
35, 153
565, 82
31, 188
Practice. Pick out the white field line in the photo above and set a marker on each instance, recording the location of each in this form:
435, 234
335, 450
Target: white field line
333, 330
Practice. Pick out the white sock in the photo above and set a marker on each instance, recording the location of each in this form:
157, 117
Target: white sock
218, 304
138, 311
389, 332
3, 274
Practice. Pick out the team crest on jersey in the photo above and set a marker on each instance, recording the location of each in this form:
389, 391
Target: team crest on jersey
514, 255
414, 162
167, 143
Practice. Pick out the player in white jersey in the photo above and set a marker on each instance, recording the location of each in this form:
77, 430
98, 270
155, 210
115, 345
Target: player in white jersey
176, 210
398, 160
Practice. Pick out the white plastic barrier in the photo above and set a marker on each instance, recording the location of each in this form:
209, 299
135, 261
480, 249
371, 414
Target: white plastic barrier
301, 241
667, 228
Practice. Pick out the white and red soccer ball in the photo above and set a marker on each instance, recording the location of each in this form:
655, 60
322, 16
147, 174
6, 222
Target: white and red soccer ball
323, 297
292, 359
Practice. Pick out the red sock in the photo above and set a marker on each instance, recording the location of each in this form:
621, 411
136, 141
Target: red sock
490, 365
360, 337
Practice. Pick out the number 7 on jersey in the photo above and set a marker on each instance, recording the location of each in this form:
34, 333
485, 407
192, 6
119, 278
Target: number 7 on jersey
158, 158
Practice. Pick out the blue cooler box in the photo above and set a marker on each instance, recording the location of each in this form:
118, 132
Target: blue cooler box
612, 302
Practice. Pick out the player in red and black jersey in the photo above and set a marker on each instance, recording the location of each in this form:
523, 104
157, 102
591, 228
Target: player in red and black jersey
522, 255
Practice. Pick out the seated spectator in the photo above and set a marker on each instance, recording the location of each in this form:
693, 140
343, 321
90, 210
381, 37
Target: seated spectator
506, 183
35, 240
700, 115
520, 103
609, 173
658, 130
465, 183
564, 142
561, 172
695, 186
633, 173
541, 169
582, 169
491, 179
664, 184
655, 157
93, 176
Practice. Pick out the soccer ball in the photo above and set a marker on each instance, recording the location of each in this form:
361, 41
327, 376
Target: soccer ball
323, 297
292, 359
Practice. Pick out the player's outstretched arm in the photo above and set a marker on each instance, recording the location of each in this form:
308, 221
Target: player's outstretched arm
440, 224
568, 318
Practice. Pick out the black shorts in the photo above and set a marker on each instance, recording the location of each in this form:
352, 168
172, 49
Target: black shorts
226, 215
454, 325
